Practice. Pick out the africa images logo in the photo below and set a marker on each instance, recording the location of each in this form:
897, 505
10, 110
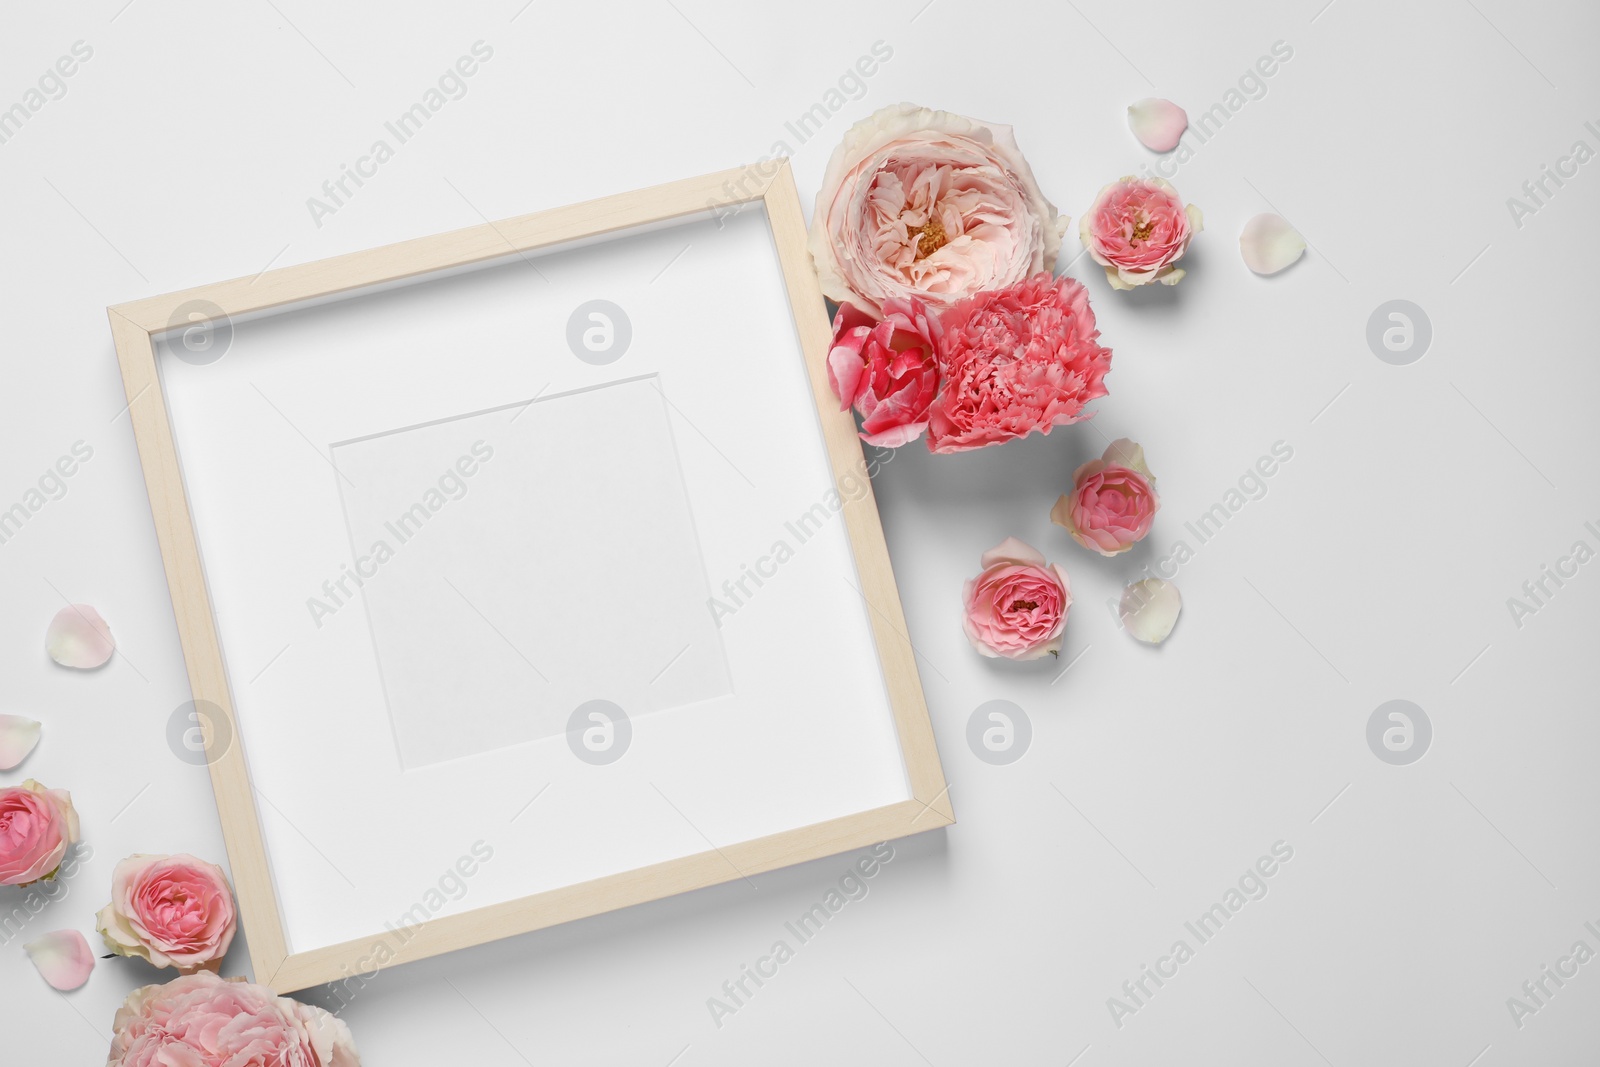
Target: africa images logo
1251, 886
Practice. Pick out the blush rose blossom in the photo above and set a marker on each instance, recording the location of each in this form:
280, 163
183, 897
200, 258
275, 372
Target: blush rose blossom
1014, 361
1137, 229
888, 371
174, 911
37, 826
1113, 501
1017, 607
927, 204
200, 1020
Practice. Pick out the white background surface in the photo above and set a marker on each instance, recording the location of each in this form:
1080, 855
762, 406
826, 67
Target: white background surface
1376, 566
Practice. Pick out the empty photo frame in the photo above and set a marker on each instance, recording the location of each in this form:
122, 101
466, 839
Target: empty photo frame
524, 573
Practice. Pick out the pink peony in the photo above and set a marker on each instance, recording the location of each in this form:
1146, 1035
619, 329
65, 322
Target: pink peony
1113, 501
1017, 608
36, 827
1137, 229
1015, 361
175, 911
888, 371
932, 205
200, 1020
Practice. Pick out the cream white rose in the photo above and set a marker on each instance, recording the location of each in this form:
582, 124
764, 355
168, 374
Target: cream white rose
931, 205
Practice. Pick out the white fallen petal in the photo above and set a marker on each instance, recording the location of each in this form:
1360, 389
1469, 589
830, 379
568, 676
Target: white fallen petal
1270, 244
1157, 123
79, 637
63, 958
1149, 609
17, 738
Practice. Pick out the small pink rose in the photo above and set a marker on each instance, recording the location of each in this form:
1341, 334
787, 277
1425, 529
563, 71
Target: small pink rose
1113, 501
1017, 608
1137, 229
174, 911
36, 827
888, 371
200, 1020
1016, 361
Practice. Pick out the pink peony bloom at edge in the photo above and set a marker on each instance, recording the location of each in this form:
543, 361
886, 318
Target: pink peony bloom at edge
200, 1020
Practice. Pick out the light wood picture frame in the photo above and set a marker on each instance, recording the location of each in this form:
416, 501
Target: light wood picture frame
136, 327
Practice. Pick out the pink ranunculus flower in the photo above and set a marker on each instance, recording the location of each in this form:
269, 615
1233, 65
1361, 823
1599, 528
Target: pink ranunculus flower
1015, 361
928, 204
1113, 500
888, 371
174, 911
200, 1020
1137, 229
1017, 608
37, 825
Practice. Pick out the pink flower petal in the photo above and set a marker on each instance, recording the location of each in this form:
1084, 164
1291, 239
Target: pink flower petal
79, 637
1270, 244
63, 958
17, 738
844, 374
1149, 609
1012, 550
1125, 452
1157, 123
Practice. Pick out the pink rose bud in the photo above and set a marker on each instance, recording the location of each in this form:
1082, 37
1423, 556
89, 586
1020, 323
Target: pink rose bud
36, 827
1137, 229
1017, 608
1113, 501
200, 1020
174, 911
888, 371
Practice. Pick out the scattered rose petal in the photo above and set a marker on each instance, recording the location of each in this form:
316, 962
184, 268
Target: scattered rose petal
1149, 609
1157, 123
79, 637
17, 738
1270, 244
63, 958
